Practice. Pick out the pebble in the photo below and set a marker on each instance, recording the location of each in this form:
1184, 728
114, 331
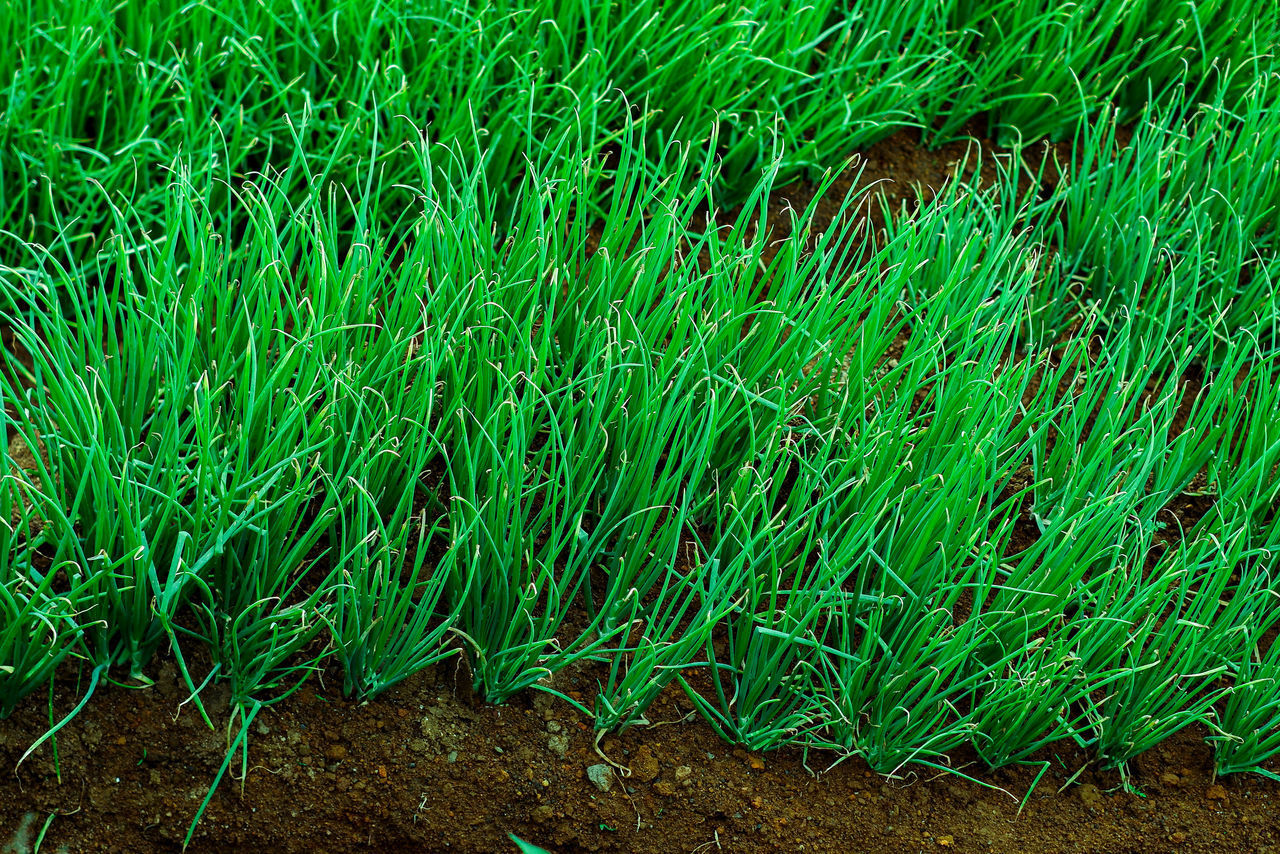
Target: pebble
554, 726
601, 776
684, 772
1216, 793
1090, 794
335, 752
558, 744
644, 765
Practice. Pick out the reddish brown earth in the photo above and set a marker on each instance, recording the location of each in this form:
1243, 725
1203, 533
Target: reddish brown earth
428, 767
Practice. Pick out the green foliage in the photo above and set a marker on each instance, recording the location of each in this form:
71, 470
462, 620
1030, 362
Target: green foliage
463, 332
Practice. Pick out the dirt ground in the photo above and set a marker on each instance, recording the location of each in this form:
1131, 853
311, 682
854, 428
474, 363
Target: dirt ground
428, 767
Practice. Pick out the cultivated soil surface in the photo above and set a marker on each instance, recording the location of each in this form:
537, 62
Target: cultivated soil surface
429, 767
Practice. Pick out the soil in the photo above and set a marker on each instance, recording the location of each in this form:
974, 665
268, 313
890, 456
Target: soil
429, 767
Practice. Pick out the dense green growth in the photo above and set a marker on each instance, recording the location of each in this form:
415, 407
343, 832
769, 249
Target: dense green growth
370, 334
101, 100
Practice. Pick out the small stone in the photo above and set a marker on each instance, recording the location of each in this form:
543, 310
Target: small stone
542, 700
665, 788
1169, 778
601, 776
554, 726
644, 766
1216, 793
684, 772
453, 756
946, 840
543, 814
1090, 794
418, 745
335, 752
558, 744
1178, 838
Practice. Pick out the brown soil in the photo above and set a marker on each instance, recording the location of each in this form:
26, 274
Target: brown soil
428, 767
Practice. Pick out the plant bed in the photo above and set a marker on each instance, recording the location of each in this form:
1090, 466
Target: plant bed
429, 765
589, 455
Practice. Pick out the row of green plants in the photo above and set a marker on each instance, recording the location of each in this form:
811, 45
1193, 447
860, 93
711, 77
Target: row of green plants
649, 447
98, 98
